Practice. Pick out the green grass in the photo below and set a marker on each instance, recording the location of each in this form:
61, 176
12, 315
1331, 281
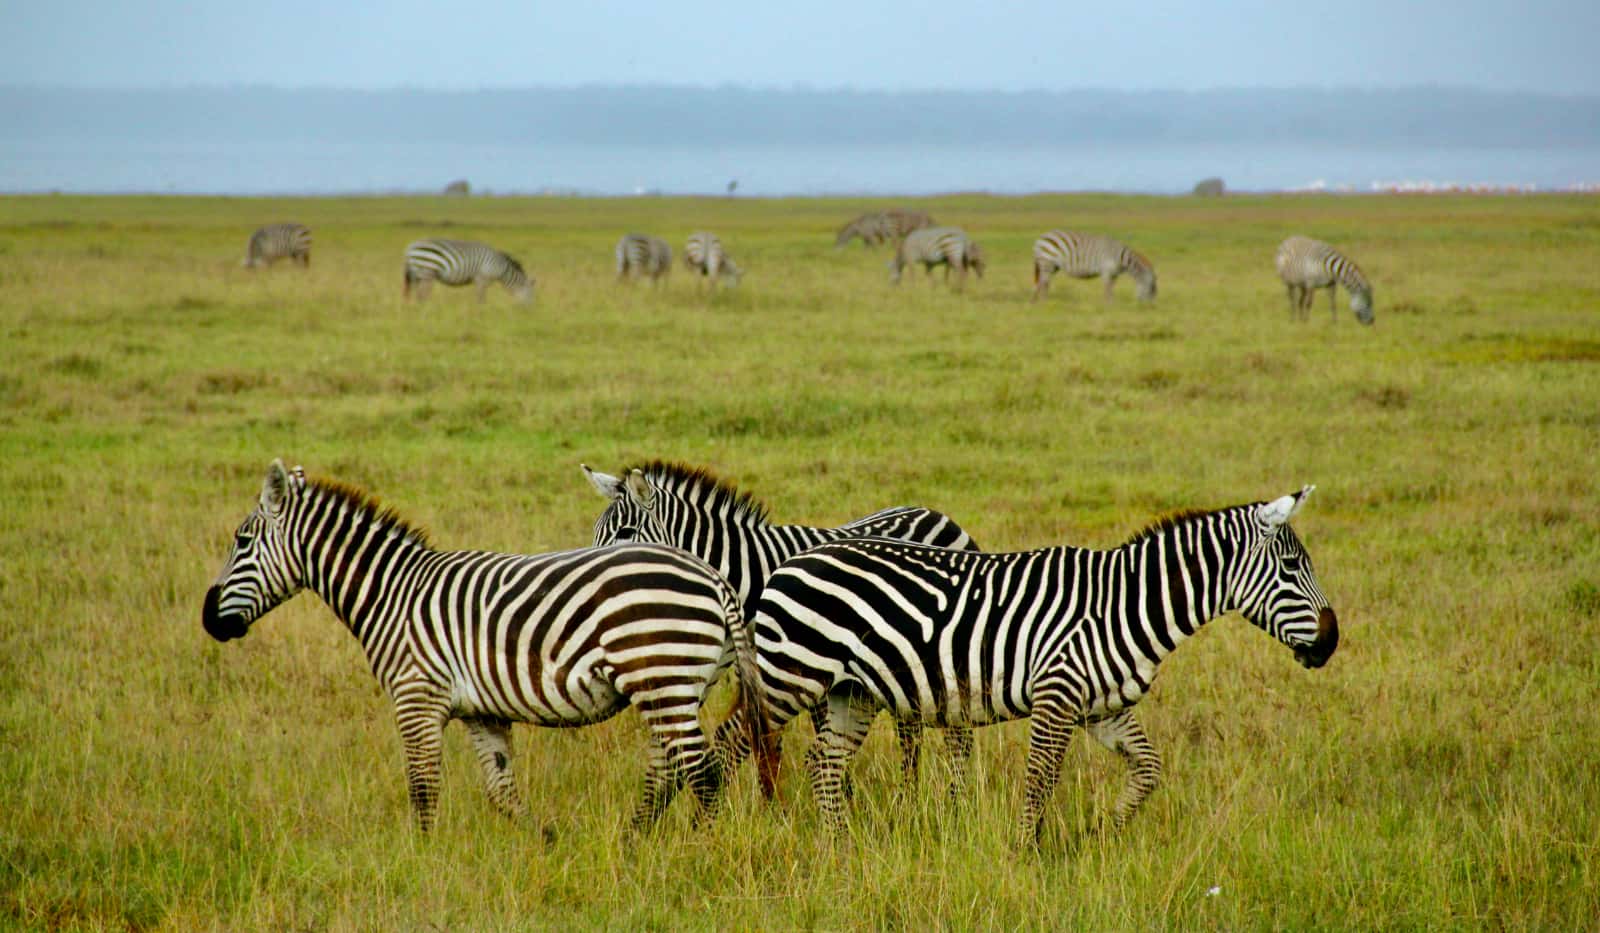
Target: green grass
1440, 772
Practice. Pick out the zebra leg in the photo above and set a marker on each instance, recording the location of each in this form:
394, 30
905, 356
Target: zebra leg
1124, 735
420, 711
849, 718
1108, 281
1333, 303
1054, 718
1041, 281
660, 786
909, 732
491, 740
483, 289
958, 744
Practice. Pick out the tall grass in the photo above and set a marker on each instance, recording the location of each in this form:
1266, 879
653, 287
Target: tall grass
1440, 772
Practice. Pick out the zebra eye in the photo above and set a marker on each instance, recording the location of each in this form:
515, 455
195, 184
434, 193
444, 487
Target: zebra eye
243, 541
625, 533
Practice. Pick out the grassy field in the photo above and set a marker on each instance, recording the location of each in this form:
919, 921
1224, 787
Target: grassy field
1441, 771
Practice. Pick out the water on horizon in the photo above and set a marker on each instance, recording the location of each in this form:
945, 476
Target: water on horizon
123, 166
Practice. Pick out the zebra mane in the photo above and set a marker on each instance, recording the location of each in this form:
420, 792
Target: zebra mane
708, 491
1351, 276
1165, 524
367, 507
1139, 262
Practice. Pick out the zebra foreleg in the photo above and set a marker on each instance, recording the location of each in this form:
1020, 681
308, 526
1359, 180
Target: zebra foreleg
483, 289
1041, 281
1054, 718
491, 740
1124, 735
420, 711
1109, 281
909, 732
1333, 303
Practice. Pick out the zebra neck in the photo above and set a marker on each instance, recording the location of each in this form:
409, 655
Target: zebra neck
353, 559
1168, 584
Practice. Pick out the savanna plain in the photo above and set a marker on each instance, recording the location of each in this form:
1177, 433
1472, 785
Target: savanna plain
1440, 772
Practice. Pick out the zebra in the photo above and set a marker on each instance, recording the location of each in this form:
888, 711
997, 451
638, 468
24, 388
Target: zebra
882, 226
932, 246
561, 639
688, 507
1069, 636
1084, 256
639, 254
279, 241
705, 255
463, 262
1305, 265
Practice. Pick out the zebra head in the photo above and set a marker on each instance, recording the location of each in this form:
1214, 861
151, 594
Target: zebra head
1147, 287
1361, 304
1275, 587
261, 571
630, 516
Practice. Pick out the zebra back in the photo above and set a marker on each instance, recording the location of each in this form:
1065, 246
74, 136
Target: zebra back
690, 508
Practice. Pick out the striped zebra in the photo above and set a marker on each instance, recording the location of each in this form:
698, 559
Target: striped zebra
639, 254
563, 639
705, 255
933, 246
689, 508
1084, 256
1305, 265
463, 262
1069, 636
879, 227
279, 241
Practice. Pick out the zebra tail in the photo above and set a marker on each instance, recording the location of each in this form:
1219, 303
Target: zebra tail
752, 698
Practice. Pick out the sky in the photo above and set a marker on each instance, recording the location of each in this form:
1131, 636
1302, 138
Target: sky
1539, 45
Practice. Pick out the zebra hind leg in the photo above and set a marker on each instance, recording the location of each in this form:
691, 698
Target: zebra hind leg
491, 741
958, 744
849, 718
909, 732
1124, 735
661, 783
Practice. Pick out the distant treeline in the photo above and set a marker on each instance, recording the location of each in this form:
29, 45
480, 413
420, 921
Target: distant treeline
700, 116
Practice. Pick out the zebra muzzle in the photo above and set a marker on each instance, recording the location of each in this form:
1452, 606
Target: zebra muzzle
1317, 653
219, 626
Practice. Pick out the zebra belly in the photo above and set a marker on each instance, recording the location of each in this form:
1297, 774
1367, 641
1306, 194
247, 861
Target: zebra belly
541, 695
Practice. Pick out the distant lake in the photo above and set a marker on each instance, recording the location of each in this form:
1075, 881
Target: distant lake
85, 164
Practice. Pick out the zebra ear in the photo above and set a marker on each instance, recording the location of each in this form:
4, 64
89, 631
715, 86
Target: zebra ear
640, 490
1277, 513
275, 490
607, 485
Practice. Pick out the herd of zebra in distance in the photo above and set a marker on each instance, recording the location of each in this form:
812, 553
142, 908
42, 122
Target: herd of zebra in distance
1304, 264
685, 577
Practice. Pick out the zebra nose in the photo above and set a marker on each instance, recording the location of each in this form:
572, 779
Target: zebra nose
218, 626
1322, 647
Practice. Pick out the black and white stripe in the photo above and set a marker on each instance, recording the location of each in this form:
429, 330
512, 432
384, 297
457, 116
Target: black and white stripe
563, 639
463, 262
704, 254
279, 241
689, 508
1305, 265
1068, 636
640, 255
885, 226
934, 246
1085, 256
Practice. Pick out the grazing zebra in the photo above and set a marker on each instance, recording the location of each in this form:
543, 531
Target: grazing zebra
1083, 256
639, 254
1068, 636
687, 507
1305, 265
564, 639
279, 241
882, 226
704, 254
933, 246
463, 262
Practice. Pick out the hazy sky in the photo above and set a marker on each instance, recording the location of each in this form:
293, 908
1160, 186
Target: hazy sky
1538, 45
